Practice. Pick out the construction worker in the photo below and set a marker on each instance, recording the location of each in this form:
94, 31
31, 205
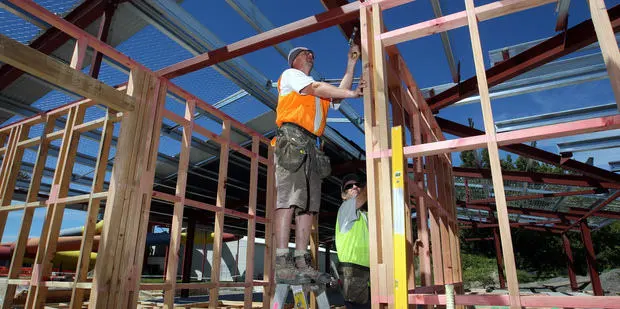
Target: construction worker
352, 243
300, 166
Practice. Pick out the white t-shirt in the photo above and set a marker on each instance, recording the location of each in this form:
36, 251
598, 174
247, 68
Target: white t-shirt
294, 80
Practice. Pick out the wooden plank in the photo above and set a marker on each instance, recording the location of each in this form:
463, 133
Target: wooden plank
498, 183
421, 208
607, 42
218, 228
249, 261
270, 254
77, 295
435, 233
443, 224
57, 73
383, 142
177, 213
457, 20
53, 221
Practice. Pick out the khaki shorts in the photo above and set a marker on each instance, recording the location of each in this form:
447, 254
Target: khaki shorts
300, 188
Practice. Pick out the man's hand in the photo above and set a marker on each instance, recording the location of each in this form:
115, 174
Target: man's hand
359, 91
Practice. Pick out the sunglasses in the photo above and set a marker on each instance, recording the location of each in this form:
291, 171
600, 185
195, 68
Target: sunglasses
350, 186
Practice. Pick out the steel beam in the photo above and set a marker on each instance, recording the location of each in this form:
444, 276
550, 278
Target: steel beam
82, 16
591, 259
533, 152
293, 30
445, 42
570, 262
611, 141
560, 45
559, 117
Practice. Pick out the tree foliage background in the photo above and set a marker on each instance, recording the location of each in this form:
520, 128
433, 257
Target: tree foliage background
539, 254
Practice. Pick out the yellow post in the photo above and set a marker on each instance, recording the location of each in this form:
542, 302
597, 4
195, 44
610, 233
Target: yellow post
398, 202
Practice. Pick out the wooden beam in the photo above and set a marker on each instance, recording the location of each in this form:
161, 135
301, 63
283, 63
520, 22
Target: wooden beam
607, 42
77, 295
492, 145
57, 73
249, 260
177, 214
218, 229
457, 20
270, 252
507, 138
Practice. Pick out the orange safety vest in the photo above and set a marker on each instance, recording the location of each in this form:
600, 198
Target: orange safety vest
306, 111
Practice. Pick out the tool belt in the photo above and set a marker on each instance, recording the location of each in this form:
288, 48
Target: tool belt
295, 145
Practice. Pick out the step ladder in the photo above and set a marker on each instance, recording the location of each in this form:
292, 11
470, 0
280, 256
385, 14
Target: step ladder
299, 296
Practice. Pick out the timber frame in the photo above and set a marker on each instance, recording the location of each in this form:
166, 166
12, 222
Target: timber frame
139, 109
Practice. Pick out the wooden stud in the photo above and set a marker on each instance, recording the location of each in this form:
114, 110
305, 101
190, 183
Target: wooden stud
435, 233
77, 294
498, 183
219, 217
607, 42
179, 205
270, 253
314, 253
249, 261
422, 211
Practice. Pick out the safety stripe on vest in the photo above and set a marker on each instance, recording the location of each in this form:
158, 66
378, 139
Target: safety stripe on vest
318, 114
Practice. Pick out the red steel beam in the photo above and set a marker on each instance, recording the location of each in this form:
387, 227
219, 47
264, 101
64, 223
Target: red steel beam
82, 16
612, 302
594, 210
558, 46
293, 30
570, 263
536, 212
499, 258
530, 177
591, 258
104, 31
535, 196
532, 152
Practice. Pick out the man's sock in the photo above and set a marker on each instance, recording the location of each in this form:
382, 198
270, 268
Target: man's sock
281, 251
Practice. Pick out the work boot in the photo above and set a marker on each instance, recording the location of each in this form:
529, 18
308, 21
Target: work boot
303, 264
286, 272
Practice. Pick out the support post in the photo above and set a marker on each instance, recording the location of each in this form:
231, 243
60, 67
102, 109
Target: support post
188, 253
590, 258
499, 258
498, 183
570, 262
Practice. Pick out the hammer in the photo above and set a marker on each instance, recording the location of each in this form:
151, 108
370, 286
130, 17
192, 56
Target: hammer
351, 40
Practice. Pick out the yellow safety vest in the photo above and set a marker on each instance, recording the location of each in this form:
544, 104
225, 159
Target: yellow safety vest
353, 246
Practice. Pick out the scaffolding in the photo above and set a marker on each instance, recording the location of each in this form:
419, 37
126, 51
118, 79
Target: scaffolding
138, 109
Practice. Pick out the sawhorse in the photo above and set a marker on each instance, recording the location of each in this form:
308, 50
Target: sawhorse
299, 296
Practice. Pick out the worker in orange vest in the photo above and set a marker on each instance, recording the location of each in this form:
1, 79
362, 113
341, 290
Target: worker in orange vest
300, 165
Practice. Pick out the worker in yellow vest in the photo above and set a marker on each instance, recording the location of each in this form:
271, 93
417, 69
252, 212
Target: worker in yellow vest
300, 166
352, 243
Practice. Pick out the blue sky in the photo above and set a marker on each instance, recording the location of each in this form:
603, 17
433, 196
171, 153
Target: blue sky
424, 56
